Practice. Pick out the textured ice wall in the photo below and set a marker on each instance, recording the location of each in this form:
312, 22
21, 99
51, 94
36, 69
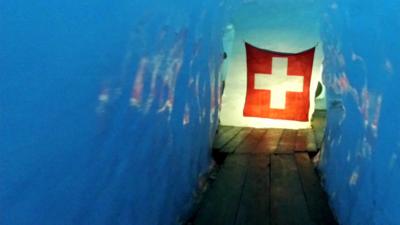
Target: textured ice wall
107, 109
361, 160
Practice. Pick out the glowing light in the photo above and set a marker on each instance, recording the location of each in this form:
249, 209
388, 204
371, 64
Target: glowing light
233, 99
103, 98
354, 178
389, 66
393, 160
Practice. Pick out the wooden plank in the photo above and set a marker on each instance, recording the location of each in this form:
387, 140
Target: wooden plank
269, 142
221, 201
224, 136
220, 131
288, 204
254, 204
317, 200
223, 129
305, 141
250, 143
287, 142
235, 142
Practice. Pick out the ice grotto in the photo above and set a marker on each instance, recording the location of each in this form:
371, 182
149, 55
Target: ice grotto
109, 109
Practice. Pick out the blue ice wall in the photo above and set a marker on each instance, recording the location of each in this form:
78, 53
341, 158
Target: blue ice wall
107, 109
361, 163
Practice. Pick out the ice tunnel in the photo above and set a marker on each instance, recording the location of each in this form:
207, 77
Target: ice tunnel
109, 110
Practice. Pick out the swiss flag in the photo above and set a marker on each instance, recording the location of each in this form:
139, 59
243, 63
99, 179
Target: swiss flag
278, 84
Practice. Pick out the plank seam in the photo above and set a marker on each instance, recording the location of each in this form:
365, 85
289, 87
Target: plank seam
269, 213
233, 137
278, 147
241, 192
237, 146
303, 189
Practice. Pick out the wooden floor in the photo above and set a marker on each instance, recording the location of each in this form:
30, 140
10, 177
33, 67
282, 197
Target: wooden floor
266, 178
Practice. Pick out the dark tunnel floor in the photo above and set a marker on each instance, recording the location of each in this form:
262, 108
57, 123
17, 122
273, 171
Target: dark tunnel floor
266, 177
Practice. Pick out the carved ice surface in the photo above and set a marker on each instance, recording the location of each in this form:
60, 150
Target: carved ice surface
107, 109
361, 57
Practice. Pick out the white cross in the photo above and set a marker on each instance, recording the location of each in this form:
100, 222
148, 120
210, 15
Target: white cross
279, 83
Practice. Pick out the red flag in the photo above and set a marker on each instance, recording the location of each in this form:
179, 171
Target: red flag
278, 84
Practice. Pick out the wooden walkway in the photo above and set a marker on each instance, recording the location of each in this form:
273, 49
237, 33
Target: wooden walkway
267, 178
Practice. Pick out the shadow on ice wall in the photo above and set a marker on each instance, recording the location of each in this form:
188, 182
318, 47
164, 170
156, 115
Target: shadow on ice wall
360, 162
107, 109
